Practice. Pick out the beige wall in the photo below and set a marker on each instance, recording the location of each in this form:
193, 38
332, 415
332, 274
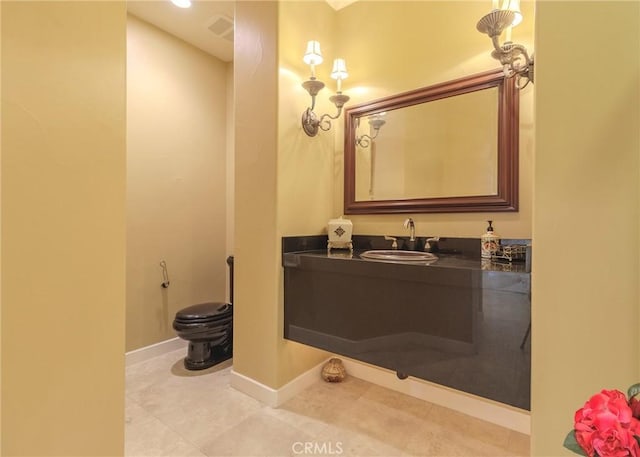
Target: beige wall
274, 165
306, 168
230, 182
1, 353
585, 264
255, 224
63, 232
176, 185
391, 49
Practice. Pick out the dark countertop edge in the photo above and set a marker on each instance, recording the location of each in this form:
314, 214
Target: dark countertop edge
315, 248
467, 246
447, 261
466, 250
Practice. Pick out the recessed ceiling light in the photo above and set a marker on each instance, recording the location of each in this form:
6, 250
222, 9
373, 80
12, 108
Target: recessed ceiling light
182, 3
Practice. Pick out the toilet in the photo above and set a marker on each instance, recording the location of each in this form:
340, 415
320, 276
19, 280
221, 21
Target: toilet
208, 327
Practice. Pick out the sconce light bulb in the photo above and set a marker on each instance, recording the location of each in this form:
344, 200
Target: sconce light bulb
313, 56
514, 7
339, 70
517, 19
182, 3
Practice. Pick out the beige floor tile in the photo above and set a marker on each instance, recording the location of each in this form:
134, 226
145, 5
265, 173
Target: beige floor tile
470, 427
134, 413
258, 435
519, 444
357, 444
415, 407
378, 421
198, 407
323, 401
447, 445
171, 411
298, 418
202, 422
145, 374
175, 381
147, 436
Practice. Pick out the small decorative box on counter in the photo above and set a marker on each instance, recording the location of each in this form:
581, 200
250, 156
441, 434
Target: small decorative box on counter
339, 231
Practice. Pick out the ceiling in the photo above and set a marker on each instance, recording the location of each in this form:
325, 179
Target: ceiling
207, 25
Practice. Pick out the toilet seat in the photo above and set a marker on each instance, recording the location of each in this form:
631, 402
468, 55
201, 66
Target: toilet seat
204, 312
209, 317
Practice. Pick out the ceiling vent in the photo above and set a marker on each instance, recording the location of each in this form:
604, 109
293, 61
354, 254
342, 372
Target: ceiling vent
222, 26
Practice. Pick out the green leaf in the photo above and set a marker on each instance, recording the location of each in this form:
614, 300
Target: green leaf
637, 438
633, 390
571, 443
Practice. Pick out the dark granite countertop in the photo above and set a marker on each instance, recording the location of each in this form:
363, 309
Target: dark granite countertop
459, 253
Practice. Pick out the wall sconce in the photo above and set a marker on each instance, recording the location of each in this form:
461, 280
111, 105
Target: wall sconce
514, 57
375, 122
310, 121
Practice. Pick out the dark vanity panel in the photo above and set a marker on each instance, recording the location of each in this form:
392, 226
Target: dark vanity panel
450, 322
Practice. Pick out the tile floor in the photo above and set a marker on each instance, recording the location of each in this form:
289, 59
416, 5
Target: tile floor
174, 412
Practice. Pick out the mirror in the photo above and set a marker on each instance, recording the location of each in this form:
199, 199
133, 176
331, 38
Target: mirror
451, 147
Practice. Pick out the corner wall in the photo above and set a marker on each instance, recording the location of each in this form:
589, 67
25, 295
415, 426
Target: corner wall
256, 245
63, 228
176, 180
283, 184
585, 294
306, 165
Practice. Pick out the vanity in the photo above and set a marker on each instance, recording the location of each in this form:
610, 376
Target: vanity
459, 321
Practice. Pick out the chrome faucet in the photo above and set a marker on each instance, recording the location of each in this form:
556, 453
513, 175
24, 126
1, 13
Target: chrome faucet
431, 245
394, 244
412, 228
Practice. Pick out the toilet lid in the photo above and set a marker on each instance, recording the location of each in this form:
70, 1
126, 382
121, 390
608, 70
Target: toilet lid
204, 311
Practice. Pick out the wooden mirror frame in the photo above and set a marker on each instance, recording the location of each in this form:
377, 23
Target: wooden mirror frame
506, 198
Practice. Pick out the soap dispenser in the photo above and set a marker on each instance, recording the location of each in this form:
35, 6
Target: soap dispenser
489, 243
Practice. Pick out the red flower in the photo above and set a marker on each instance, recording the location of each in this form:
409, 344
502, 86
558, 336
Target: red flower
605, 426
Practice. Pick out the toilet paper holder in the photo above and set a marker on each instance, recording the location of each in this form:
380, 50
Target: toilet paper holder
165, 274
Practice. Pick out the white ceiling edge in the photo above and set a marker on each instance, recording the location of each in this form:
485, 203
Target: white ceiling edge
339, 4
191, 24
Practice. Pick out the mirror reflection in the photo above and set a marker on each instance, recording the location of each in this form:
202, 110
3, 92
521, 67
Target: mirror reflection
448, 147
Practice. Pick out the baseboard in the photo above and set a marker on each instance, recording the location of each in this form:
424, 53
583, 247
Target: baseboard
154, 350
471, 405
275, 397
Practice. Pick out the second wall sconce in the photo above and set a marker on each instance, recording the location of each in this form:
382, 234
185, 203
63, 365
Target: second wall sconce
514, 57
310, 120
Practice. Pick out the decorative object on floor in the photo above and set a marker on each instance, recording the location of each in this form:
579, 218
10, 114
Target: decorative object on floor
333, 371
607, 425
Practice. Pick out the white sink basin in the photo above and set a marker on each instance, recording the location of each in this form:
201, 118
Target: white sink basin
394, 255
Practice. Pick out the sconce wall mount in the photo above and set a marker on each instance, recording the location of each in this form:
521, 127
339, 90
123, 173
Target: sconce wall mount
311, 122
514, 57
